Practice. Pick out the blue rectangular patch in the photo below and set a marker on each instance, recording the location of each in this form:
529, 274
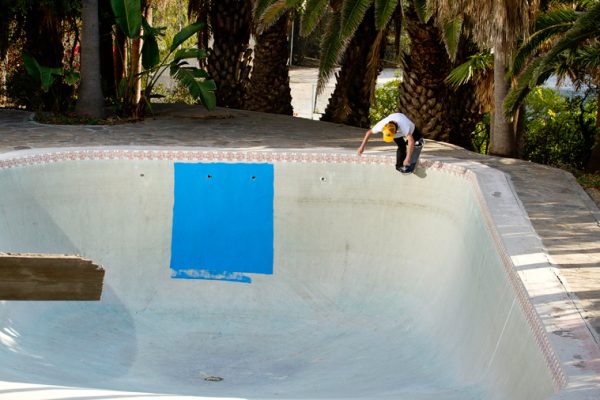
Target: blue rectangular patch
222, 221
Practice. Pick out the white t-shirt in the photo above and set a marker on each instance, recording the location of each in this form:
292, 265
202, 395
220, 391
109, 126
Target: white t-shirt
405, 126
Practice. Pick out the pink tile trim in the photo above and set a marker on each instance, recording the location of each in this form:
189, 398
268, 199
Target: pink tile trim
338, 158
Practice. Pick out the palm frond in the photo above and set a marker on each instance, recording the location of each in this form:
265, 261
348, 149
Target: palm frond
527, 80
548, 27
274, 11
558, 16
423, 9
452, 32
585, 28
476, 64
260, 6
384, 9
332, 49
315, 9
353, 12
589, 56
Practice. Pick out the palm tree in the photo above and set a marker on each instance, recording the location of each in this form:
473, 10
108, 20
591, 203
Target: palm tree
361, 64
269, 88
572, 40
90, 101
424, 92
442, 111
229, 22
498, 27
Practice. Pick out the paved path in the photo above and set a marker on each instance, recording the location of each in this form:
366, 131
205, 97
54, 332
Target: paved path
564, 216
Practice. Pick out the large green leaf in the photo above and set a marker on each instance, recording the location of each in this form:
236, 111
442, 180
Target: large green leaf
128, 16
31, 65
150, 51
185, 34
191, 52
384, 9
44, 75
201, 89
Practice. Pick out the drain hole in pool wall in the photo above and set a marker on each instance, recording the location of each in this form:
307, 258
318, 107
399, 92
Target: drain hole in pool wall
213, 379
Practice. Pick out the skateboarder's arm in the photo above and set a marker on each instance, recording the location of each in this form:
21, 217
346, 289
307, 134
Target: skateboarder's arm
364, 142
409, 149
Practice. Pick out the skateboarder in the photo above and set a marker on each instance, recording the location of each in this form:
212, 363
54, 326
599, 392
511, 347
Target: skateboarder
398, 128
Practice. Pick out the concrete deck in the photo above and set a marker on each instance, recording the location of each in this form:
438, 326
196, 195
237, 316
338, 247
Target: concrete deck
561, 212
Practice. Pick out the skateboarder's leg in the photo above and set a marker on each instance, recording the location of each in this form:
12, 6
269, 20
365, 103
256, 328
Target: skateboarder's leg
400, 153
414, 158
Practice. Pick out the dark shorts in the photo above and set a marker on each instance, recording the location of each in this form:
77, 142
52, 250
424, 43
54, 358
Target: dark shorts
401, 152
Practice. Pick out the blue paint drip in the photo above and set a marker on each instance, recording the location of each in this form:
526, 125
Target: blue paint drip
222, 221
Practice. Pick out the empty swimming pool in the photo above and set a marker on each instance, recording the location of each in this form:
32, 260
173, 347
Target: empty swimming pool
267, 276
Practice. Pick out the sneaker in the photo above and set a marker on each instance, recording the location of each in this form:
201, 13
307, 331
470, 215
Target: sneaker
404, 169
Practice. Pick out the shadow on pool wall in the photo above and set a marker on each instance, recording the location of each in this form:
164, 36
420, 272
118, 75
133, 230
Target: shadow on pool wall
383, 286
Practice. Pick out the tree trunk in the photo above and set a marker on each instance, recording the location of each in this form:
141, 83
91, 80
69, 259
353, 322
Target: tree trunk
229, 59
269, 89
502, 142
90, 101
44, 33
440, 112
107, 70
355, 87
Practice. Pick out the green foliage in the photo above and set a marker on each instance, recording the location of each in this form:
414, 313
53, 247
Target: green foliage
353, 12
175, 94
559, 131
589, 180
384, 9
46, 76
386, 101
480, 137
476, 64
452, 33
192, 78
128, 16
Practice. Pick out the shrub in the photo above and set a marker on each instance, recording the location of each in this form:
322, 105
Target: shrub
386, 101
559, 130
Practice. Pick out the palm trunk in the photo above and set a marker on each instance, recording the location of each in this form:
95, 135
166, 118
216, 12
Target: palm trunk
229, 59
502, 142
351, 98
440, 112
107, 70
269, 89
90, 101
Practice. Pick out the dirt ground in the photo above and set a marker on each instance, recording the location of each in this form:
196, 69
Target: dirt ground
594, 194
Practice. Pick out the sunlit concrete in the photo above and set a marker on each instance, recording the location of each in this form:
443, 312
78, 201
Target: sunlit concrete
429, 286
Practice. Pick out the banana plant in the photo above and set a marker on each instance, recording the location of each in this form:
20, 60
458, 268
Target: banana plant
46, 76
130, 21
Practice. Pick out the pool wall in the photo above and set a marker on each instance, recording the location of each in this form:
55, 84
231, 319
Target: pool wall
487, 247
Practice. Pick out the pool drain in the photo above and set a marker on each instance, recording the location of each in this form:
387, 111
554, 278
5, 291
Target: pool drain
213, 379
